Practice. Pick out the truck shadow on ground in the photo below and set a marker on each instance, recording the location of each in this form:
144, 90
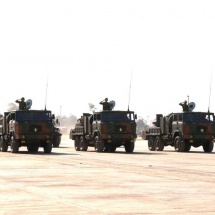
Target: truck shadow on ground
131, 153
44, 154
62, 147
191, 152
141, 153
59, 153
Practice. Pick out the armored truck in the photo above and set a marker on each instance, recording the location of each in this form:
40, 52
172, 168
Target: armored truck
105, 130
31, 128
182, 130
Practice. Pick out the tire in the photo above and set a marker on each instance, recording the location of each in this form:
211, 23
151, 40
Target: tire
112, 148
1, 140
57, 140
151, 144
208, 146
47, 148
98, 144
4, 145
187, 146
83, 144
32, 148
179, 144
77, 145
14, 146
159, 144
129, 147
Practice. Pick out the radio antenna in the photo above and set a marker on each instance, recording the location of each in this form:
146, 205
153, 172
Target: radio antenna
129, 91
210, 93
46, 91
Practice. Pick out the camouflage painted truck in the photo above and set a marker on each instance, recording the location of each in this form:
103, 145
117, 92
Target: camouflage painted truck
105, 130
182, 130
30, 128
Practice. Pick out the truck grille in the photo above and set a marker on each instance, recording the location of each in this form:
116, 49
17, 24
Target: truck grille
35, 128
120, 128
201, 129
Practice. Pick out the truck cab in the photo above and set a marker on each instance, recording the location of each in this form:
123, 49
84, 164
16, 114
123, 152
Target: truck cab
31, 128
105, 130
183, 130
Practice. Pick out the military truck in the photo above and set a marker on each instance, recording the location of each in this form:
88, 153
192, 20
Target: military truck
182, 130
31, 128
105, 130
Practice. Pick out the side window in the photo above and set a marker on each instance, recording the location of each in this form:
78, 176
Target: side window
180, 117
131, 116
209, 117
98, 117
175, 118
94, 117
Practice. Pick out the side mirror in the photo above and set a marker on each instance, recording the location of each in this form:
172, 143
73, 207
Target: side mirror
53, 116
57, 121
135, 116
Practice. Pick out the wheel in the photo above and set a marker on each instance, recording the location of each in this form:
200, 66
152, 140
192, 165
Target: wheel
1, 140
112, 148
47, 147
159, 144
187, 146
179, 144
98, 144
33, 148
4, 145
14, 146
83, 144
77, 145
56, 141
106, 148
151, 144
129, 147
208, 146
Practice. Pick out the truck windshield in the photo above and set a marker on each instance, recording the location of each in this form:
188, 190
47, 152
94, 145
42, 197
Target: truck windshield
33, 116
198, 117
117, 117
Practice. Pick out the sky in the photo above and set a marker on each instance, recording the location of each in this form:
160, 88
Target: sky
149, 55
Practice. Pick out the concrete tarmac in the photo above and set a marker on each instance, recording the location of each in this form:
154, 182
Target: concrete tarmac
74, 182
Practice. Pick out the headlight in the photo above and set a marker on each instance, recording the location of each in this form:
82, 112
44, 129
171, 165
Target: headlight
109, 136
23, 136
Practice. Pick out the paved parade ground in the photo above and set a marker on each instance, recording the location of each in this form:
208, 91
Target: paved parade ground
143, 182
